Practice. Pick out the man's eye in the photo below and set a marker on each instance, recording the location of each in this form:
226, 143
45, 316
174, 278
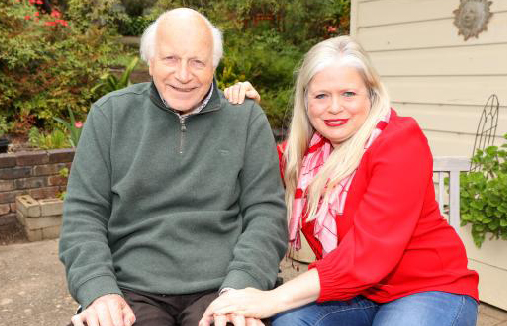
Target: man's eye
170, 59
198, 63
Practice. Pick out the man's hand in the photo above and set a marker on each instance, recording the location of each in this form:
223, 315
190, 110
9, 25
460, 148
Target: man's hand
234, 304
236, 320
236, 94
108, 310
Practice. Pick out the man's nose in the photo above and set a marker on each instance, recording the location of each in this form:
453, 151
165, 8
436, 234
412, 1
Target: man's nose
183, 74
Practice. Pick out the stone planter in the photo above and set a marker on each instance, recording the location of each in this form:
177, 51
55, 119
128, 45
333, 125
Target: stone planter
41, 219
490, 261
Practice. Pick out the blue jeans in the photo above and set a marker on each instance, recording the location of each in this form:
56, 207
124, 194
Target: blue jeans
421, 309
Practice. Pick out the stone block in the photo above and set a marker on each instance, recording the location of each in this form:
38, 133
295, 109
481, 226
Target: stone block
61, 155
47, 169
32, 158
7, 197
47, 192
5, 209
34, 235
27, 206
56, 180
15, 172
7, 160
34, 223
6, 185
52, 232
10, 196
28, 183
7, 219
51, 207
20, 218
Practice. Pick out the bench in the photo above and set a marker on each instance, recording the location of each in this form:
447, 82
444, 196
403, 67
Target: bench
448, 201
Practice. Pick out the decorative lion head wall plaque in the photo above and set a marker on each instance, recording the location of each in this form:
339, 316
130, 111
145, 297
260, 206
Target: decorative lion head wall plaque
472, 17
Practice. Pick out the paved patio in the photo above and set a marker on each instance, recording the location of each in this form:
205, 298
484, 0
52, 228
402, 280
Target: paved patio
33, 287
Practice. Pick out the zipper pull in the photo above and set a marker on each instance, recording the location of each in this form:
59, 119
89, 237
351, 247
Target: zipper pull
183, 125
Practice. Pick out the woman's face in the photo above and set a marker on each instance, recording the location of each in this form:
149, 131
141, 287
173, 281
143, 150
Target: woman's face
338, 102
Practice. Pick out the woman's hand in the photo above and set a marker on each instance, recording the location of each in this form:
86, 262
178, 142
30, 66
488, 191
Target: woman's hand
236, 93
253, 303
248, 302
236, 320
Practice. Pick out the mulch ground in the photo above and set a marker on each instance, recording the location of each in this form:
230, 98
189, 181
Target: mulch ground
12, 233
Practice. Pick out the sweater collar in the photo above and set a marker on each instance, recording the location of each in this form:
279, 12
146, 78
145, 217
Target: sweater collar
213, 103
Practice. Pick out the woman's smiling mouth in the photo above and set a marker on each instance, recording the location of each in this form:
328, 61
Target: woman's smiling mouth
335, 122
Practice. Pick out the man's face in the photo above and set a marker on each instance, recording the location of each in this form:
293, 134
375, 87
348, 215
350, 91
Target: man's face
182, 65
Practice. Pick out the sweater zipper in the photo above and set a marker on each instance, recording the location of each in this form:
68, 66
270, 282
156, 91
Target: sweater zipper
182, 135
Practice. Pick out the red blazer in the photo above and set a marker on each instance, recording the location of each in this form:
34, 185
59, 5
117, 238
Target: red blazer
392, 239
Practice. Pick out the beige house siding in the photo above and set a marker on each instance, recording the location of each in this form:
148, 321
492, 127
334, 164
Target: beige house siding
432, 73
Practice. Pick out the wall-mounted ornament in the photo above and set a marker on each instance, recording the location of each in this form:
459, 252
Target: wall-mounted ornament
472, 17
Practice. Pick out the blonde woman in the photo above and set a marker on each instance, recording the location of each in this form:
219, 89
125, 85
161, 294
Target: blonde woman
359, 186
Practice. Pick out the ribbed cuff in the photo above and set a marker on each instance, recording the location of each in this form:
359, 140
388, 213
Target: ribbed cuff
95, 288
326, 274
237, 279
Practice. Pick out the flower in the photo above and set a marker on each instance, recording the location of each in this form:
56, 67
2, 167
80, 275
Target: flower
55, 13
27, 17
50, 23
61, 22
78, 124
331, 29
36, 14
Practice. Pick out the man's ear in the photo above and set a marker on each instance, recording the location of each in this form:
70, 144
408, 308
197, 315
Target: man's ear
150, 64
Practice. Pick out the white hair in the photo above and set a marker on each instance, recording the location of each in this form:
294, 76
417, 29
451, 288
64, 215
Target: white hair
148, 39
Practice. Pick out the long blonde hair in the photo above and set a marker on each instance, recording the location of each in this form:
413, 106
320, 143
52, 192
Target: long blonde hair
345, 158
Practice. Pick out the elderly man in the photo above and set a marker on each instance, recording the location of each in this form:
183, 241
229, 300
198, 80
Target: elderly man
174, 194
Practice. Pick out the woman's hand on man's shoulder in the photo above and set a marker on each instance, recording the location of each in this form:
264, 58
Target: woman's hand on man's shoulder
236, 94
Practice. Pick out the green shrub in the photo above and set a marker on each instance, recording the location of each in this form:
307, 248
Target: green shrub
48, 63
484, 195
74, 128
4, 126
109, 82
48, 140
133, 25
268, 61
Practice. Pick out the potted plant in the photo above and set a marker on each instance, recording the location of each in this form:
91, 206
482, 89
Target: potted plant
484, 222
4, 141
484, 195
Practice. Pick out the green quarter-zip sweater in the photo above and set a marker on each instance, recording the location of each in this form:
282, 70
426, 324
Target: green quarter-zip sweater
166, 205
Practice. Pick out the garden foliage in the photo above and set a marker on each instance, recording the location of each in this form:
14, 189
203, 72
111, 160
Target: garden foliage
48, 62
484, 194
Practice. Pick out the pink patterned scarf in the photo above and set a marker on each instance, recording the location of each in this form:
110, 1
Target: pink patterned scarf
325, 223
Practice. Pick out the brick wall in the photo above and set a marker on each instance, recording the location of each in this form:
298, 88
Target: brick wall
34, 173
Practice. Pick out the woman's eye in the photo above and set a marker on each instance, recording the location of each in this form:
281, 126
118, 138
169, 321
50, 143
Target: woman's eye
320, 96
349, 94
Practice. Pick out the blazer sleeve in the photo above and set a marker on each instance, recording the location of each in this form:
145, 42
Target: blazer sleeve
399, 169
